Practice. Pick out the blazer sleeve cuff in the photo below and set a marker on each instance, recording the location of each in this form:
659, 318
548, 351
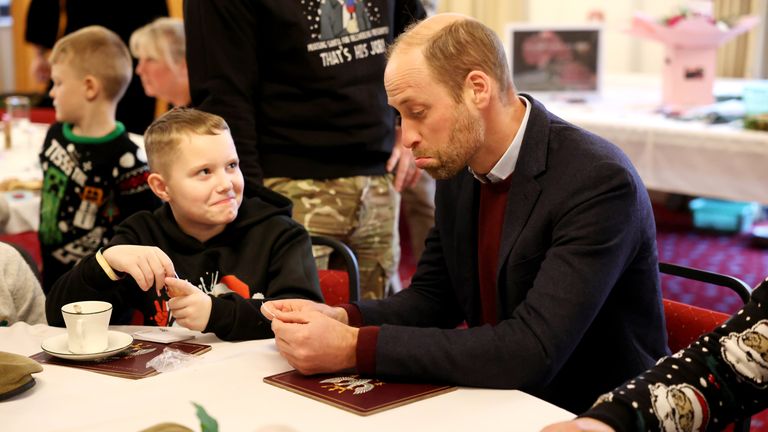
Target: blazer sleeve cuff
366, 350
354, 317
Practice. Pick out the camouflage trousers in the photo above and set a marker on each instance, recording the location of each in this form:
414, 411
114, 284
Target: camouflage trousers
361, 211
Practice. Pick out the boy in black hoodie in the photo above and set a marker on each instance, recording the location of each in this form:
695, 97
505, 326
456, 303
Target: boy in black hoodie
237, 255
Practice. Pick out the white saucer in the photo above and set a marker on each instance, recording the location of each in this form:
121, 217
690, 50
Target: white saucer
57, 346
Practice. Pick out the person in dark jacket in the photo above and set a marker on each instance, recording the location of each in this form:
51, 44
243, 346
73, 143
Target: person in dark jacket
206, 257
544, 243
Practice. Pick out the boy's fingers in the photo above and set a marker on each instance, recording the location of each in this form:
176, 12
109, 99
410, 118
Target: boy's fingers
165, 261
158, 271
179, 287
138, 276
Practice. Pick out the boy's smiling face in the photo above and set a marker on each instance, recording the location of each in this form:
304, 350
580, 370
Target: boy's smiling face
203, 184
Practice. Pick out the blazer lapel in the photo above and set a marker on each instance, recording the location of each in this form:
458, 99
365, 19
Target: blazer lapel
524, 190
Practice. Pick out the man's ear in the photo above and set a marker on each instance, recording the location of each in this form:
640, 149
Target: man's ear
158, 185
479, 85
92, 87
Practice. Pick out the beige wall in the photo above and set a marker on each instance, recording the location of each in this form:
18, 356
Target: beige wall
494, 13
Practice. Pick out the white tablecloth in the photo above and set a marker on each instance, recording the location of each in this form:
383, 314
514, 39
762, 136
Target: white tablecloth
688, 157
21, 162
227, 381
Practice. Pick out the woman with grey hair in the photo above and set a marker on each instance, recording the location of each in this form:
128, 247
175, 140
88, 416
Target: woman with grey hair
160, 49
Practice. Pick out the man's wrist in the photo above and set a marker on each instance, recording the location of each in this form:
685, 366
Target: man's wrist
351, 351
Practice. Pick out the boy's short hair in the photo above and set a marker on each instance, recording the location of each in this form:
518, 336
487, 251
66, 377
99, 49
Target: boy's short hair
163, 136
97, 51
162, 39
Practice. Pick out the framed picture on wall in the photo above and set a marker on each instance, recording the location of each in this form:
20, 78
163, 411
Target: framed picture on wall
558, 61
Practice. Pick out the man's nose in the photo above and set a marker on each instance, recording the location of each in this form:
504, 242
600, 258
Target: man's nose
409, 134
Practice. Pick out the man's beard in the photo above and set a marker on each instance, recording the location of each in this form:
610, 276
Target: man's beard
463, 142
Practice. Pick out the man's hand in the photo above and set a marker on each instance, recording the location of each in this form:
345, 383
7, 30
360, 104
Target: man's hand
402, 158
274, 308
148, 265
584, 424
190, 306
314, 343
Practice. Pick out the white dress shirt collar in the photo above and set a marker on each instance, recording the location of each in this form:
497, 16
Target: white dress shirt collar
506, 165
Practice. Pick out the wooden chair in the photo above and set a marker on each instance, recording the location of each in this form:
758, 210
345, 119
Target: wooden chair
339, 285
685, 323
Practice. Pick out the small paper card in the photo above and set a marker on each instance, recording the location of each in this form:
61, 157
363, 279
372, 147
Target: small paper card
362, 396
131, 363
163, 335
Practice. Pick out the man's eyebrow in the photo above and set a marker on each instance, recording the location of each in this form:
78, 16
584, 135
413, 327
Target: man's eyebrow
404, 101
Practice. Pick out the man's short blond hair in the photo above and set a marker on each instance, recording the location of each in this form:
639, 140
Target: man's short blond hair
162, 39
96, 51
457, 49
165, 135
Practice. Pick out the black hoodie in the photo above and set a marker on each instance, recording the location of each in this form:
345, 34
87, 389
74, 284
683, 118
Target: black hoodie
262, 251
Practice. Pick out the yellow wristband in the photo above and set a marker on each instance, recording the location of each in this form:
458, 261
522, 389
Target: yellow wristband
105, 266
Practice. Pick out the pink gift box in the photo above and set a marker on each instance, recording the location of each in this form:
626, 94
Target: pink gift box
690, 58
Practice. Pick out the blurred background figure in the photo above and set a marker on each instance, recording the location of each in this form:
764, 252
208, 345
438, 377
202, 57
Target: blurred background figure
49, 20
21, 298
161, 52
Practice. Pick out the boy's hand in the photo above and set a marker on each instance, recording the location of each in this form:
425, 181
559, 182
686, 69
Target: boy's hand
148, 265
283, 309
190, 306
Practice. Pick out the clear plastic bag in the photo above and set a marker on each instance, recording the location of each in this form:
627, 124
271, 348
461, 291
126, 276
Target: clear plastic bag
170, 359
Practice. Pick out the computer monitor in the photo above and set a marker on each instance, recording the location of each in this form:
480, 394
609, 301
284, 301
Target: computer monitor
556, 61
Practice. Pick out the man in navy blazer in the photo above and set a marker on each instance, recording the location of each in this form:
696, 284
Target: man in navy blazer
544, 243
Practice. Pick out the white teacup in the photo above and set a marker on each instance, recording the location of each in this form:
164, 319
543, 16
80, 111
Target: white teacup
87, 323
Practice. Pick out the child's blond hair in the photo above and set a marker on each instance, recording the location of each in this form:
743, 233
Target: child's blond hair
162, 39
96, 51
164, 135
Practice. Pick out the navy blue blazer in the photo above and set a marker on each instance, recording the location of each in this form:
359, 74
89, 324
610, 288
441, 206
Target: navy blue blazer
578, 293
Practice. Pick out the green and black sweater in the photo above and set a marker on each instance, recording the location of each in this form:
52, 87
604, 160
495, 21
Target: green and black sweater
89, 186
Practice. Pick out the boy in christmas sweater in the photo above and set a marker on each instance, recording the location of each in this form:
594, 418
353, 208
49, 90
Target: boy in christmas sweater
94, 175
236, 252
